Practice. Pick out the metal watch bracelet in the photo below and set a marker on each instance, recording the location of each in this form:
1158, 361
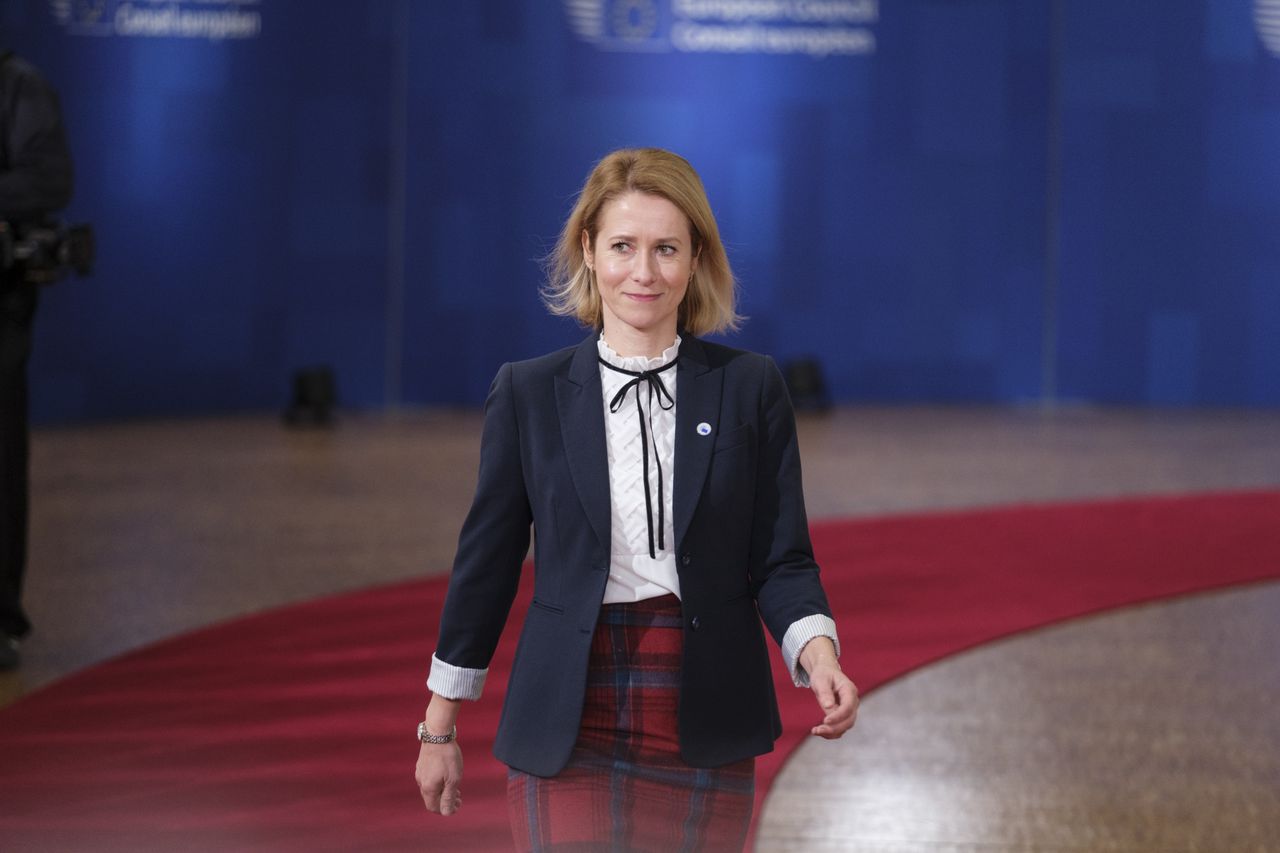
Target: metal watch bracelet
427, 737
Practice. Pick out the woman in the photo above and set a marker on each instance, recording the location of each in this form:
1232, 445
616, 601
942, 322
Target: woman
662, 478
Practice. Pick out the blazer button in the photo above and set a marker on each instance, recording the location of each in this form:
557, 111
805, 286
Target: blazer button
695, 623
686, 560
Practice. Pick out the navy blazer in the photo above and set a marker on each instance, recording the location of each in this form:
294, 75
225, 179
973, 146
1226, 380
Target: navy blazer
741, 540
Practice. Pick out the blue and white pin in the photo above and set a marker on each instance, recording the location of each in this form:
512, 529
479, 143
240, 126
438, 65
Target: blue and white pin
704, 428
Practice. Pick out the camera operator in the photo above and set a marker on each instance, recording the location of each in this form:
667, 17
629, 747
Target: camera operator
35, 181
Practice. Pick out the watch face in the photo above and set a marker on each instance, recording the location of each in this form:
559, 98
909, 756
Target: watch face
426, 736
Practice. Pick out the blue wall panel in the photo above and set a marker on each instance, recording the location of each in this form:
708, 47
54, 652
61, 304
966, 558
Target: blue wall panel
885, 209
239, 193
883, 213
1171, 205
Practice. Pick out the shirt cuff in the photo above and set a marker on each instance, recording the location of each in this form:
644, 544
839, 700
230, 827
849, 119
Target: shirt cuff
455, 682
800, 633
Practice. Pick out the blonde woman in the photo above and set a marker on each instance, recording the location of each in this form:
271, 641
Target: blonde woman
662, 477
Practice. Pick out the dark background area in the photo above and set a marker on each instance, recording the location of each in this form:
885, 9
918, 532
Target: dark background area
1004, 202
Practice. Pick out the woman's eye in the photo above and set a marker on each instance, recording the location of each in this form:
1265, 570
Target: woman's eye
666, 250
619, 247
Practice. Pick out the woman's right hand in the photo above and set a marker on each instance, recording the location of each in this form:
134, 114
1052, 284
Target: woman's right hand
439, 772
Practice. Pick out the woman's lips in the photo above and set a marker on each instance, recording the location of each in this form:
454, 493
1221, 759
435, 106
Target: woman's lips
643, 297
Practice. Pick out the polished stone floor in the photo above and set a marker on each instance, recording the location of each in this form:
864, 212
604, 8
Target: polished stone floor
141, 531
1149, 728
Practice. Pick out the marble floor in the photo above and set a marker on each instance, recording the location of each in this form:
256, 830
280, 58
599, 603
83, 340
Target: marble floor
144, 530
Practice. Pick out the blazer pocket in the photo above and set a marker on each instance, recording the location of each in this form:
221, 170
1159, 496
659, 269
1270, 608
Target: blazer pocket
736, 437
549, 608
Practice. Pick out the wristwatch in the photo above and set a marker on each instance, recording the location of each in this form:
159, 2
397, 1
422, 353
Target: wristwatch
427, 737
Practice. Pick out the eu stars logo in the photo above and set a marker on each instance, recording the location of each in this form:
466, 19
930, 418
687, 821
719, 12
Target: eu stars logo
619, 25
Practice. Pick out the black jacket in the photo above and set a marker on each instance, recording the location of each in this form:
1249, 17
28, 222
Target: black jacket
35, 163
742, 546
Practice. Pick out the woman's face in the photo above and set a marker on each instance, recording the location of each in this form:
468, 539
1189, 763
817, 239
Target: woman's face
643, 258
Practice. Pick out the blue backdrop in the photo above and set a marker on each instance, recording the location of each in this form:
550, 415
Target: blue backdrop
984, 201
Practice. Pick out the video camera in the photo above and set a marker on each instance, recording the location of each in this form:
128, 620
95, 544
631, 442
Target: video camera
43, 252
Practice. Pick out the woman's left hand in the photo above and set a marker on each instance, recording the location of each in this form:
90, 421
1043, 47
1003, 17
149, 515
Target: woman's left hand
837, 696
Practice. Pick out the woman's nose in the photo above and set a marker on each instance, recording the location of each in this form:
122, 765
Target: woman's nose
644, 267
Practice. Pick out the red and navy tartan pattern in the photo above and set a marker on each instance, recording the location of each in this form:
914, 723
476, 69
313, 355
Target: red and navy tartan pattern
626, 787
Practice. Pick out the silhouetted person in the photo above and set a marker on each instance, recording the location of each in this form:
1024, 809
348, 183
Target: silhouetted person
35, 181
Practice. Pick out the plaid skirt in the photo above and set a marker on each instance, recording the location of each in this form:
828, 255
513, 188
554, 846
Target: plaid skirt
626, 787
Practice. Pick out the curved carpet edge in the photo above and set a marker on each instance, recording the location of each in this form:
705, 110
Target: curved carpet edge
290, 729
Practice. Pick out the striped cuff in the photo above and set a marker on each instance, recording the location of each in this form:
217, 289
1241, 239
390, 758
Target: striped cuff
800, 633
455, 682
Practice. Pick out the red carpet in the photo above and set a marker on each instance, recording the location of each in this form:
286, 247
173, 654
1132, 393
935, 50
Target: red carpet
293, 730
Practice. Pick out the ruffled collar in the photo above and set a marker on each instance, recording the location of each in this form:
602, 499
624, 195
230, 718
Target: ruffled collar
638, 362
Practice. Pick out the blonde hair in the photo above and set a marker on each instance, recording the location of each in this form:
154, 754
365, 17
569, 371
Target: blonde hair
709, 303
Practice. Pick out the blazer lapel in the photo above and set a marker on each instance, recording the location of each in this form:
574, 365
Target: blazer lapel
579, 401
698, 392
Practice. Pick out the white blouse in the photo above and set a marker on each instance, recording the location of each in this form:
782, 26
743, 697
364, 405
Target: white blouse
634, 575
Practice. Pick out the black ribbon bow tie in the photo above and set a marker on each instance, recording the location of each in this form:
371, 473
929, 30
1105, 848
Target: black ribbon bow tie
666, 402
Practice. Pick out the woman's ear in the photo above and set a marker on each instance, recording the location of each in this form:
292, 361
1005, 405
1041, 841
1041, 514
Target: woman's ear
586, 248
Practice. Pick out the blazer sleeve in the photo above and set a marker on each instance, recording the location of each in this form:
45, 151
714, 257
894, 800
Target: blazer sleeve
784, 574
492, 545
